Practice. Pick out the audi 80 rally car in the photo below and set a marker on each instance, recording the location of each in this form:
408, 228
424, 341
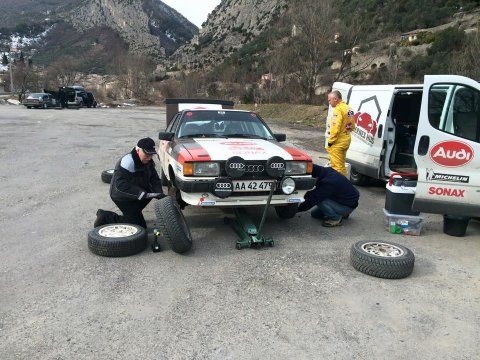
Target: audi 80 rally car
231, 158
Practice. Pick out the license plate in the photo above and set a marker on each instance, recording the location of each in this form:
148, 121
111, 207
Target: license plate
247, 186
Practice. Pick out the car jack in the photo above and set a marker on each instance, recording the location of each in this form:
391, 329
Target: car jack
249, 235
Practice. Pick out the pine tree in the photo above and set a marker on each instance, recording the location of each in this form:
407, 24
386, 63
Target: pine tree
4, 60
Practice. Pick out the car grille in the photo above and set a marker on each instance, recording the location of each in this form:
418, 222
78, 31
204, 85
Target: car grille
255, 169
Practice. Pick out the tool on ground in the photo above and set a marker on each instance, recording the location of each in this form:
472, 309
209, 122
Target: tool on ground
249, 235
155, 244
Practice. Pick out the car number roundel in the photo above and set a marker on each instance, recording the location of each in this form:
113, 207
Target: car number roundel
451, 153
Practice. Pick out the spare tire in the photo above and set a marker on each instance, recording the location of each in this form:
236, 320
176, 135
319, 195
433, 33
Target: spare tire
172, 225
107, 175
116, 240
382, 259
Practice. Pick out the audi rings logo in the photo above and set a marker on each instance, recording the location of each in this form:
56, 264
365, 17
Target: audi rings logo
238, 166
278, 166
255, 168
223, 186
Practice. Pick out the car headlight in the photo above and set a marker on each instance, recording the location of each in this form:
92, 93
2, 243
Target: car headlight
288, 186
206, 169
296, 168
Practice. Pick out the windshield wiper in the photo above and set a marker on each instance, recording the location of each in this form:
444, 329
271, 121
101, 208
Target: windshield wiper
248, 136
203, 136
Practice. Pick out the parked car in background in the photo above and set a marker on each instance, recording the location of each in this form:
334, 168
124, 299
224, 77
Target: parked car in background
40, 101
89, 100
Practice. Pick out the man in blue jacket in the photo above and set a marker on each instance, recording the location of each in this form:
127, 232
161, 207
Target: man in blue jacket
134, 184
334, 197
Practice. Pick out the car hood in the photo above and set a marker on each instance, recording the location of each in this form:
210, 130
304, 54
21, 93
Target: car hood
207, 149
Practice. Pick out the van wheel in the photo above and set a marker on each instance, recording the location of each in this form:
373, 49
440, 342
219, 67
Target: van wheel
107, 176
358, 179
116, 240
287, 211
173, 225
382, 259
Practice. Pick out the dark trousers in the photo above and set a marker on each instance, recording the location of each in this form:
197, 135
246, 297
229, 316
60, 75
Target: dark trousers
131, 210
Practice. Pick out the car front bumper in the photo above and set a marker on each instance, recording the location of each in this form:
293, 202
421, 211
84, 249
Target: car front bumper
199, 192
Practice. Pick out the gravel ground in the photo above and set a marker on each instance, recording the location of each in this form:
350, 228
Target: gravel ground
300, 299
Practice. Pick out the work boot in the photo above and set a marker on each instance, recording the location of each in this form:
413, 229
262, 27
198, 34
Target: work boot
332, 223
100, 220
345, 216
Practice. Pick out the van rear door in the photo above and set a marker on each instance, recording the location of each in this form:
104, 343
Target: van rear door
447, 148
371, 105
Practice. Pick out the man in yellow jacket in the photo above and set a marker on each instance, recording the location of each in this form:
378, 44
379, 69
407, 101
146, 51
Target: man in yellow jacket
342, 123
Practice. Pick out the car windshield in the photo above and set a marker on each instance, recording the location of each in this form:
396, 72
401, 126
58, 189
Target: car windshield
221, 123
36, 95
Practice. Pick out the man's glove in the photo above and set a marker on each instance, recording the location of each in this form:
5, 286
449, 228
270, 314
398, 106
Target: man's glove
154, 195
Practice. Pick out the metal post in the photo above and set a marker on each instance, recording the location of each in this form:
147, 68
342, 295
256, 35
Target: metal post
12, 88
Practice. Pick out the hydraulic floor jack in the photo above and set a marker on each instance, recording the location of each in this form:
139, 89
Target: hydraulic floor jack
249, 234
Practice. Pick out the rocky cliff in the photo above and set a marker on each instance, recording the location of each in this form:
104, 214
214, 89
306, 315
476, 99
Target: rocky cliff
230, 26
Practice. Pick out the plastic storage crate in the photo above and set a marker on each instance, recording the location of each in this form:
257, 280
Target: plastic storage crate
403, 224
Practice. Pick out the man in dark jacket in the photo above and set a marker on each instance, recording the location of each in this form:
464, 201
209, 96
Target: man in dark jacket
134, 184
334, 196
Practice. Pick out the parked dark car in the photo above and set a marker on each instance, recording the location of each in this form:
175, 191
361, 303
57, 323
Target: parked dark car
89, 100
40, 101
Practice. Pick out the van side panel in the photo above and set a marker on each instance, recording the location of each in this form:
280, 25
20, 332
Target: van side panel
371, 106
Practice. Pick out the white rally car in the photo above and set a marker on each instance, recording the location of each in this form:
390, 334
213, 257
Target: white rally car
230, 158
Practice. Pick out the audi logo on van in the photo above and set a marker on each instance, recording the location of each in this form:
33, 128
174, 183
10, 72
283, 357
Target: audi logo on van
238, 166
451, 153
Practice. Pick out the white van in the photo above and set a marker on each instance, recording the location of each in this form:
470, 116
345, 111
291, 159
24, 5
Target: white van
431, 129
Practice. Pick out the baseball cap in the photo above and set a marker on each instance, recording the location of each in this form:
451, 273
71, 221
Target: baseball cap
147, 145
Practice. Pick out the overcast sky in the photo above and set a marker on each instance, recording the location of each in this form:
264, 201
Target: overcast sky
194, 10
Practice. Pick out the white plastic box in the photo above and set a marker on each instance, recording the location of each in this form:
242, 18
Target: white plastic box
403, 224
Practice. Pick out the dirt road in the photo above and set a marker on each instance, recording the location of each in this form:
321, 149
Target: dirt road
298, 300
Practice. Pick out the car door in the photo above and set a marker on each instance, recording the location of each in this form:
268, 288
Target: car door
370, 105
447, 147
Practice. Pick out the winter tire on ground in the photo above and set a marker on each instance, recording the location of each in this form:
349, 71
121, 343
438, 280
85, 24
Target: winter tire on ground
286, 211
172, 224
107, 175
117, 240
382, 259
358, 179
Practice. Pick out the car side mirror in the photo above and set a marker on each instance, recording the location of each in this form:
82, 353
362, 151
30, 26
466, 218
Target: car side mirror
280, 137
167, 136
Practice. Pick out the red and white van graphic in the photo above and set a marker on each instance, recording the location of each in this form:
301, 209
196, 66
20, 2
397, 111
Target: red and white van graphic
451, 153
365, 121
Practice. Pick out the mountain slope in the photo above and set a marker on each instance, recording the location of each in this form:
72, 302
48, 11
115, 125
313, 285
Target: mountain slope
230, 26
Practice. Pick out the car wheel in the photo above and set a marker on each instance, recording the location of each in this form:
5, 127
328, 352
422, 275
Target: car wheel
29, 107
358, 179
172, 225
287, 211
107, 175
117, 240
382, 259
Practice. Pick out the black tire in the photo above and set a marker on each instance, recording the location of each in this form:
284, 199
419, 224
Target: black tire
29, 107
364, 259
358, 179
117, 246
107, 175
173, 225
286, 211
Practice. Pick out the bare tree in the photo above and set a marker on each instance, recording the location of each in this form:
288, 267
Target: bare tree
315, 21
63, 72
25, 79
467, 61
